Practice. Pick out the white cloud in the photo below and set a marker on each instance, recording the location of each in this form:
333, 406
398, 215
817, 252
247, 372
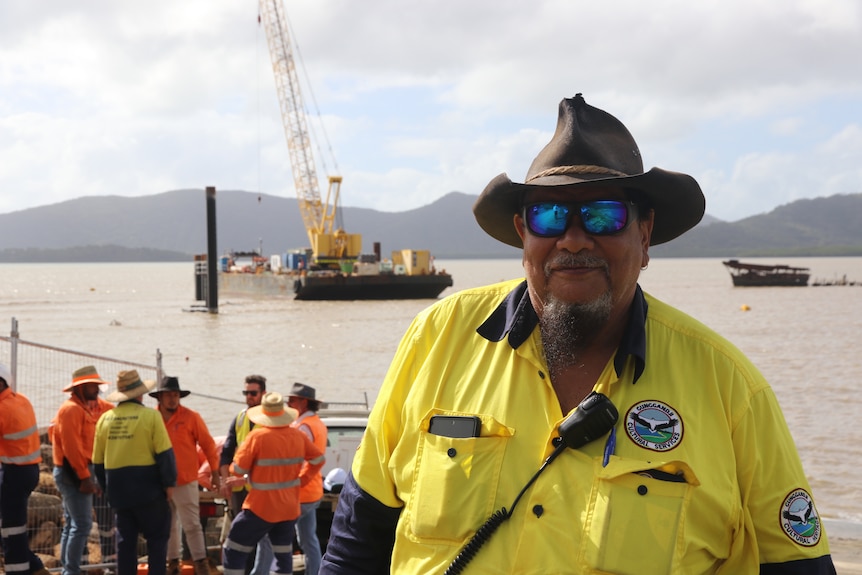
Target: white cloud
419, 99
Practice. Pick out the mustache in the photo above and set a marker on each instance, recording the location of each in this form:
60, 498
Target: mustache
570, 260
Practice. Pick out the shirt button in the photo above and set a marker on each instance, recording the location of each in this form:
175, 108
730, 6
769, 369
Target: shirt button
452, 452
538, 510
642, 489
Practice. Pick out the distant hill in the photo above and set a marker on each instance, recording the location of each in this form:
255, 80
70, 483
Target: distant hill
176, 221
812, 227
80, 254
172, 225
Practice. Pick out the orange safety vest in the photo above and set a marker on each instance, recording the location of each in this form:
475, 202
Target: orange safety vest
313, 490
19, 435
273, 459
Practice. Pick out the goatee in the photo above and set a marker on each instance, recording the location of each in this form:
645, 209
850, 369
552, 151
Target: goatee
568, 328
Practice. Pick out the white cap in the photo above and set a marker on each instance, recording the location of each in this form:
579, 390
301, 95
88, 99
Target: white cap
5, 374
334, 480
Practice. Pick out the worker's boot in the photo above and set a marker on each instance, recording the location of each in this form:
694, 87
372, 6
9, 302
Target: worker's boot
202, 567
174, 567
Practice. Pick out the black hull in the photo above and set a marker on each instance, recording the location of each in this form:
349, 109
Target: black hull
371, 287
334, 286
781, 280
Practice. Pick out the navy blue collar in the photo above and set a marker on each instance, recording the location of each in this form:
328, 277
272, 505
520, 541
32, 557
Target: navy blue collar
516, 318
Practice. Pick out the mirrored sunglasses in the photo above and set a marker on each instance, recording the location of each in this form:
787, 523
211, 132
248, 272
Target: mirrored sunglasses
251, 392
598, 217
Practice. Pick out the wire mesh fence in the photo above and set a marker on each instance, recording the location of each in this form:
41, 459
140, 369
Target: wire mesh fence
41, 372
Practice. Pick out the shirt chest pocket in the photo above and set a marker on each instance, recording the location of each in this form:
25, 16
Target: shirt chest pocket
636, 518
455, 482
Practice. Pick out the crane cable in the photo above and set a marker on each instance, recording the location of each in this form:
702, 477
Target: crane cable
311, 127
339, 219
314, 101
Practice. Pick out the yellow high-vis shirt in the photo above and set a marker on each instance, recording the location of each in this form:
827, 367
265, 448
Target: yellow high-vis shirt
704, 476
133, 456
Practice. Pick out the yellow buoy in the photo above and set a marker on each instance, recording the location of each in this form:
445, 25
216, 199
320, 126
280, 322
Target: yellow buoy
745, 307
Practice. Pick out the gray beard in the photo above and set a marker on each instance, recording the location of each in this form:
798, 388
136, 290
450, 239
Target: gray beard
568, 328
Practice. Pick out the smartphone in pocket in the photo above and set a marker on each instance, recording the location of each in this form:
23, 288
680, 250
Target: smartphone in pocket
455, 425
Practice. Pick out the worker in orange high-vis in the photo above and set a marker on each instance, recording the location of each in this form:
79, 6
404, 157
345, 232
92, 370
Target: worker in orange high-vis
187, 431
20, 455
72, 432
272, 457
303, 399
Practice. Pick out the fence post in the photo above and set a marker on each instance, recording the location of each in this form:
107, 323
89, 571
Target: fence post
13, 355
159, 371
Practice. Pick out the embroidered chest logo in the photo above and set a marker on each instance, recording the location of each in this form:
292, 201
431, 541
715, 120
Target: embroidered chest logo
799, 519
654, 425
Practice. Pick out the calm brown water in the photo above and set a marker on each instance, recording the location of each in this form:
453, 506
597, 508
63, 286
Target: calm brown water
805, 340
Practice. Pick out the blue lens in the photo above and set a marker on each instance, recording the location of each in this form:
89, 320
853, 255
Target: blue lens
604, 217
547, 219
599, 218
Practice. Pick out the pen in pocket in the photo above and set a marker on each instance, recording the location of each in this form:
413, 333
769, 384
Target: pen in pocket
610, 446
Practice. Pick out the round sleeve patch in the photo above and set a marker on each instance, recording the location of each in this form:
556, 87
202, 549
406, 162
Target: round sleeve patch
799, 519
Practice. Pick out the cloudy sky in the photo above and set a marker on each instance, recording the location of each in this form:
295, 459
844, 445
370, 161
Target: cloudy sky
760, 100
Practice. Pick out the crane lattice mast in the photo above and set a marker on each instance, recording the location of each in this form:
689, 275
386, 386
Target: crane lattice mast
328, 245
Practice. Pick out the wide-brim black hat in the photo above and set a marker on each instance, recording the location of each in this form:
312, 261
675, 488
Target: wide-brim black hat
305, 392
170, 383
591, 147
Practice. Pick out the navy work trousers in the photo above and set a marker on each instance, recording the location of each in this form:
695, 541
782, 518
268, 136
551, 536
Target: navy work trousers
245, 531
18, 482
153, 521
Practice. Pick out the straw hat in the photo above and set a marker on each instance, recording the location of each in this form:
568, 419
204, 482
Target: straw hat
86, 374
130, 386
592, 148
272, 412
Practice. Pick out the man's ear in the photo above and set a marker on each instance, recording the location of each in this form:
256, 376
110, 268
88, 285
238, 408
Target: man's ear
646, 225
518, 222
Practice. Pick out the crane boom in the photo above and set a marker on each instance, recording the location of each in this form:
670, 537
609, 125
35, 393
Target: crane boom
329, 246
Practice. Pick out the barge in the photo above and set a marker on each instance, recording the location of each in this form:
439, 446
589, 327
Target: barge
758, 275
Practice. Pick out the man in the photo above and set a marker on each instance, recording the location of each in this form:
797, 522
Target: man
187, 431
72, 433
303, 399
235, 489
699, 473
207, 478
135, 466
272, 457
20, 456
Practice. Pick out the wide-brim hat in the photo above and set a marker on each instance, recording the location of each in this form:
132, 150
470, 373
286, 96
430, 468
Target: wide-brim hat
272, 412
591, 147
130, 386
86, 374
305, 392
169, 383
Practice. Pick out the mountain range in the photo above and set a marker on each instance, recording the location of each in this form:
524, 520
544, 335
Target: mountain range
172, 226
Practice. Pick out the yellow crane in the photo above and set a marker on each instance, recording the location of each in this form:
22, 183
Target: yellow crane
330, 246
